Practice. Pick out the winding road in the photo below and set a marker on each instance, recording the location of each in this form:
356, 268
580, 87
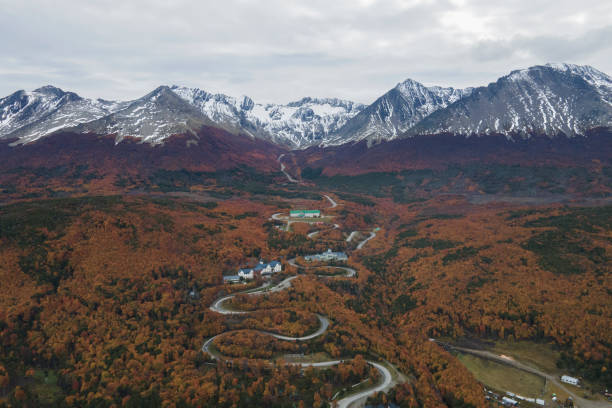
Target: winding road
281, 217
331, 201
351, 236
350, 272
282, 168
386, 382
218, 306
312, 234
365, 241
362, 243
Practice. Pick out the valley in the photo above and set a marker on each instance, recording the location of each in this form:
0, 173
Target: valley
190, 249
432, 269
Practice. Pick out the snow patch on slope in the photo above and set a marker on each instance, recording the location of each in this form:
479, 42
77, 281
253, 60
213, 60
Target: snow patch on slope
29, 116
551, 99
396, 112
298, 124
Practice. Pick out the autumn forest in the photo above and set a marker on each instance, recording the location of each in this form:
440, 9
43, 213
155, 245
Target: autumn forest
113, 293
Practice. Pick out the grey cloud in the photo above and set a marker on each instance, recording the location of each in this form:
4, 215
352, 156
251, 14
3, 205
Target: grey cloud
554, 48
281, 50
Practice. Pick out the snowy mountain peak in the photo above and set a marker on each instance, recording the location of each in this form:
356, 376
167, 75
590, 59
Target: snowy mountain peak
396, 111
162, 91
547, 99
28, 116
152, 118
586, 71
409, 85
600, 80
52, 91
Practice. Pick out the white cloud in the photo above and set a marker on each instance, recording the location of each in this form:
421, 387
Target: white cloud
280, 50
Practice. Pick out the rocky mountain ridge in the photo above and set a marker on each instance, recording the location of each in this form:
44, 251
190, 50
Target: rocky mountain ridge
549, 100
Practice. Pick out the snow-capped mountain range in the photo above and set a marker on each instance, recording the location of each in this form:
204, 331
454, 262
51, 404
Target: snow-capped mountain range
549, 99
152, 118
29, 116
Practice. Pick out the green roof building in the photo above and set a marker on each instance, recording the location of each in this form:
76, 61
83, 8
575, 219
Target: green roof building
305, 213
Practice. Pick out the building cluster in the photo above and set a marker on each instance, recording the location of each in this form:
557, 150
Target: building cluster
305, 213
511, 399
262, 269
327, 256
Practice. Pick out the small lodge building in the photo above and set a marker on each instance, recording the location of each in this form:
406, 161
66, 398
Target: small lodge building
305, 213
262, 269
509, 402
231, 279
570, 380
246, 274
327, 256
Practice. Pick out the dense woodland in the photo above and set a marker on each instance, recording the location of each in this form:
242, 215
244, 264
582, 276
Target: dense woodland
105, 298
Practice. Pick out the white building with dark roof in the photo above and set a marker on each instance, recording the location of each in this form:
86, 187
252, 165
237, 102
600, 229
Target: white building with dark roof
246, 274
262, 269
327, 256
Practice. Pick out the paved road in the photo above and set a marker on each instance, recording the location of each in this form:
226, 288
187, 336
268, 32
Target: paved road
359, 398
281, 217
218, 306
362, 243
346, 402
578, 401
351, 236
312, 234
350, 272
362, 396
331, 201
206, 346
323, 325
282, 168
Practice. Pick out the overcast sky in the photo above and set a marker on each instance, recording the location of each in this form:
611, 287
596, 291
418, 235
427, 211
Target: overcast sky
281, 50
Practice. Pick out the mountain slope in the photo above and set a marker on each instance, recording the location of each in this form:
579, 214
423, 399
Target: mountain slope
549, 99
68, 163
544, 100
297, 124
395, 112
152, 118
29, 116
